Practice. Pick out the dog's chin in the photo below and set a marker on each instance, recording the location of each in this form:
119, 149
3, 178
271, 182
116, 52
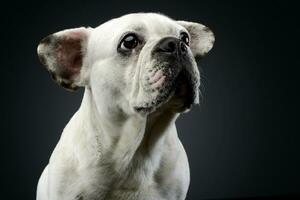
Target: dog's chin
180, 98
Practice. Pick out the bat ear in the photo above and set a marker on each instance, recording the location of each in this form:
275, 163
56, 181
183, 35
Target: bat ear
202, 38
63, 54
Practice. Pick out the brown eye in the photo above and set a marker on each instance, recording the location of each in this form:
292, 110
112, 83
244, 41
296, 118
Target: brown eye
185, 38
129, 42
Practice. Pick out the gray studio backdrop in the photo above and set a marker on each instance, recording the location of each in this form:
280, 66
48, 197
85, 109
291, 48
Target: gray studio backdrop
241, 141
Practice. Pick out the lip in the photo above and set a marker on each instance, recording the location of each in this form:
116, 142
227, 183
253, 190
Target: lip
184, 89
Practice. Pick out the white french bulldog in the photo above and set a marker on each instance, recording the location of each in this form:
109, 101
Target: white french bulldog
139, 73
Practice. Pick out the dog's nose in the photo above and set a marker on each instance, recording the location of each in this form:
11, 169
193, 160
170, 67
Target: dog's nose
172, 45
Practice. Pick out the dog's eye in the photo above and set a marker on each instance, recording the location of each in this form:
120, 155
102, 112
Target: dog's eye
185, 38
130, 41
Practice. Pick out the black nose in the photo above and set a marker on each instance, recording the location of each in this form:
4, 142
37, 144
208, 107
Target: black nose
172, 45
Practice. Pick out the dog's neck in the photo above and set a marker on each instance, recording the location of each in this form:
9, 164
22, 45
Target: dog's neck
117, 138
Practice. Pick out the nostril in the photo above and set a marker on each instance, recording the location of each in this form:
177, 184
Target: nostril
171, 47
183, 48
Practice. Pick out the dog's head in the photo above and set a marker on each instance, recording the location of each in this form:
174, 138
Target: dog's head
137, 63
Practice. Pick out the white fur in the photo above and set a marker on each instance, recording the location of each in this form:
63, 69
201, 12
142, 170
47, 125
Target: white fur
107, 150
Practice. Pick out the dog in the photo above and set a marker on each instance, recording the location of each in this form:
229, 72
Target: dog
139, 73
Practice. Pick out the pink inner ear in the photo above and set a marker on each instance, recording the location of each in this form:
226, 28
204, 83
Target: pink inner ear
69, 53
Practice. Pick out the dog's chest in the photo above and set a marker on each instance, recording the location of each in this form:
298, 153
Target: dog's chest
120, 194
110, 186
136, 184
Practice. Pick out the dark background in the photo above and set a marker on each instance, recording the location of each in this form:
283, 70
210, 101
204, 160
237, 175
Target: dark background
243, 141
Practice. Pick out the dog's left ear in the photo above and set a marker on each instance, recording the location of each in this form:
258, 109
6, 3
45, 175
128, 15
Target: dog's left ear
202, 38
63, 55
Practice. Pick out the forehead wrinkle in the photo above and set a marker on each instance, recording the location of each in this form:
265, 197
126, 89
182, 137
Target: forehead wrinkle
162, 26
138, 28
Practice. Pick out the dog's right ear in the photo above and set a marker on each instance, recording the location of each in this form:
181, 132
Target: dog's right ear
202, 38
63, 54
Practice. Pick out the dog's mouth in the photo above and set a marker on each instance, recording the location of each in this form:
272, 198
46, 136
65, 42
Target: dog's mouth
184, 90
180, 96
